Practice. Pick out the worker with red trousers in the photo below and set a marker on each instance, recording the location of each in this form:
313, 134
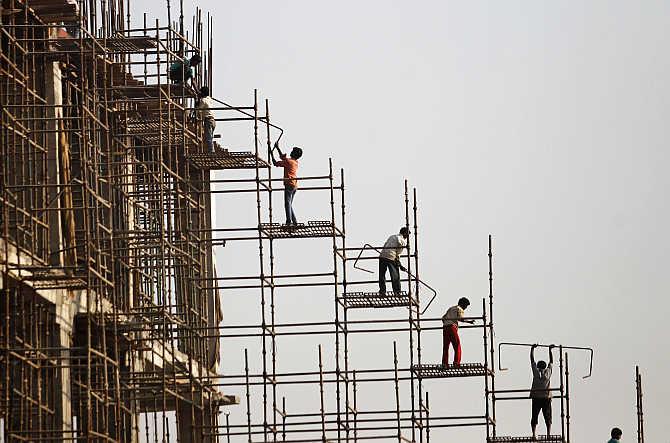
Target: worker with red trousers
450, 331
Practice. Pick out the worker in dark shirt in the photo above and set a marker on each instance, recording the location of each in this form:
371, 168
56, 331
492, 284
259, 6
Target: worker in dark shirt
540, 392
616, 435
182, 70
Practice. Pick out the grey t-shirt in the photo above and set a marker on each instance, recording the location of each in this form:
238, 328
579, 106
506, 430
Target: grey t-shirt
540, 382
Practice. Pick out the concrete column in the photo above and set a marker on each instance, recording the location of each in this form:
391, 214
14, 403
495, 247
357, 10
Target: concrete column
214, 311
64, 321
54, 96
190, 429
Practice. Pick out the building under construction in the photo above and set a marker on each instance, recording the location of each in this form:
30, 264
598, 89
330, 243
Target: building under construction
111, 304
105, 251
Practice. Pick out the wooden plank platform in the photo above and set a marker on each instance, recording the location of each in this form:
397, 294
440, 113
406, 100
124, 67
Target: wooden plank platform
55, 11
137, 44
153, 132
44, 278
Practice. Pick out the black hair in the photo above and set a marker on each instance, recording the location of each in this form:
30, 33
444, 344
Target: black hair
616, 433
195, 59
541, 364
204, 91
296, 153
463, 302
404, 231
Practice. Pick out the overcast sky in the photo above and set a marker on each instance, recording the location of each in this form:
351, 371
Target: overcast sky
543, 123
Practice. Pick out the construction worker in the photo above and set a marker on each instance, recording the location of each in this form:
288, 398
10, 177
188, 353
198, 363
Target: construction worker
389, 258
540, 392
204, 107
616, 435
181, 71
290, 165
450, 331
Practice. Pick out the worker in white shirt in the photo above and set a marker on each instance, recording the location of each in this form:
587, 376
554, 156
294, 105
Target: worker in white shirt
450, 331
205, 114
389, 259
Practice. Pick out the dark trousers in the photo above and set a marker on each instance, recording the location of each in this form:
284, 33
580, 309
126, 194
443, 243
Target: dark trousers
540, 404
209, 124
385, 263
289, 193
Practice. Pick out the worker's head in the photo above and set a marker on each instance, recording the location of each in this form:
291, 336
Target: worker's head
616, 433
204, 91
404, 231
541, 365
296, 153
463, 302
195, 59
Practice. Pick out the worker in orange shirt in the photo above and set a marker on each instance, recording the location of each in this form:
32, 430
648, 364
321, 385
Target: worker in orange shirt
290, 165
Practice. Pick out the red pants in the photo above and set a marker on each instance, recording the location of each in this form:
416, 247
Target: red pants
450, 337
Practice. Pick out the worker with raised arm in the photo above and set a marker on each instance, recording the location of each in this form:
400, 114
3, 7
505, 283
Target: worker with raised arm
181, 71
540, 392
205, 114
616, 435
290, 165
450, 331
389, 258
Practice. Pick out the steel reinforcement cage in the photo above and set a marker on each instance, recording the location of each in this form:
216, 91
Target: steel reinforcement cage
103, 228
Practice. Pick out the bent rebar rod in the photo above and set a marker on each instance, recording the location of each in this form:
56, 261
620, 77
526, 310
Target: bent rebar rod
578, 348
281, 131
369, 246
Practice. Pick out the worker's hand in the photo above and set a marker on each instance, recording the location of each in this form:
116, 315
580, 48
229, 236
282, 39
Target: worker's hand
402, 268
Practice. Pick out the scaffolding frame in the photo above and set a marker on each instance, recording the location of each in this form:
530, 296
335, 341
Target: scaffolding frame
104, 239
342, 419
638, 405
109, 287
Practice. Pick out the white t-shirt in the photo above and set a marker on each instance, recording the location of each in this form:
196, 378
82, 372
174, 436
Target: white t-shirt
204, 108
452, 316
393, 247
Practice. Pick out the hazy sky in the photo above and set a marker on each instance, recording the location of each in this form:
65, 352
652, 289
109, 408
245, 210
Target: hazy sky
540, 122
